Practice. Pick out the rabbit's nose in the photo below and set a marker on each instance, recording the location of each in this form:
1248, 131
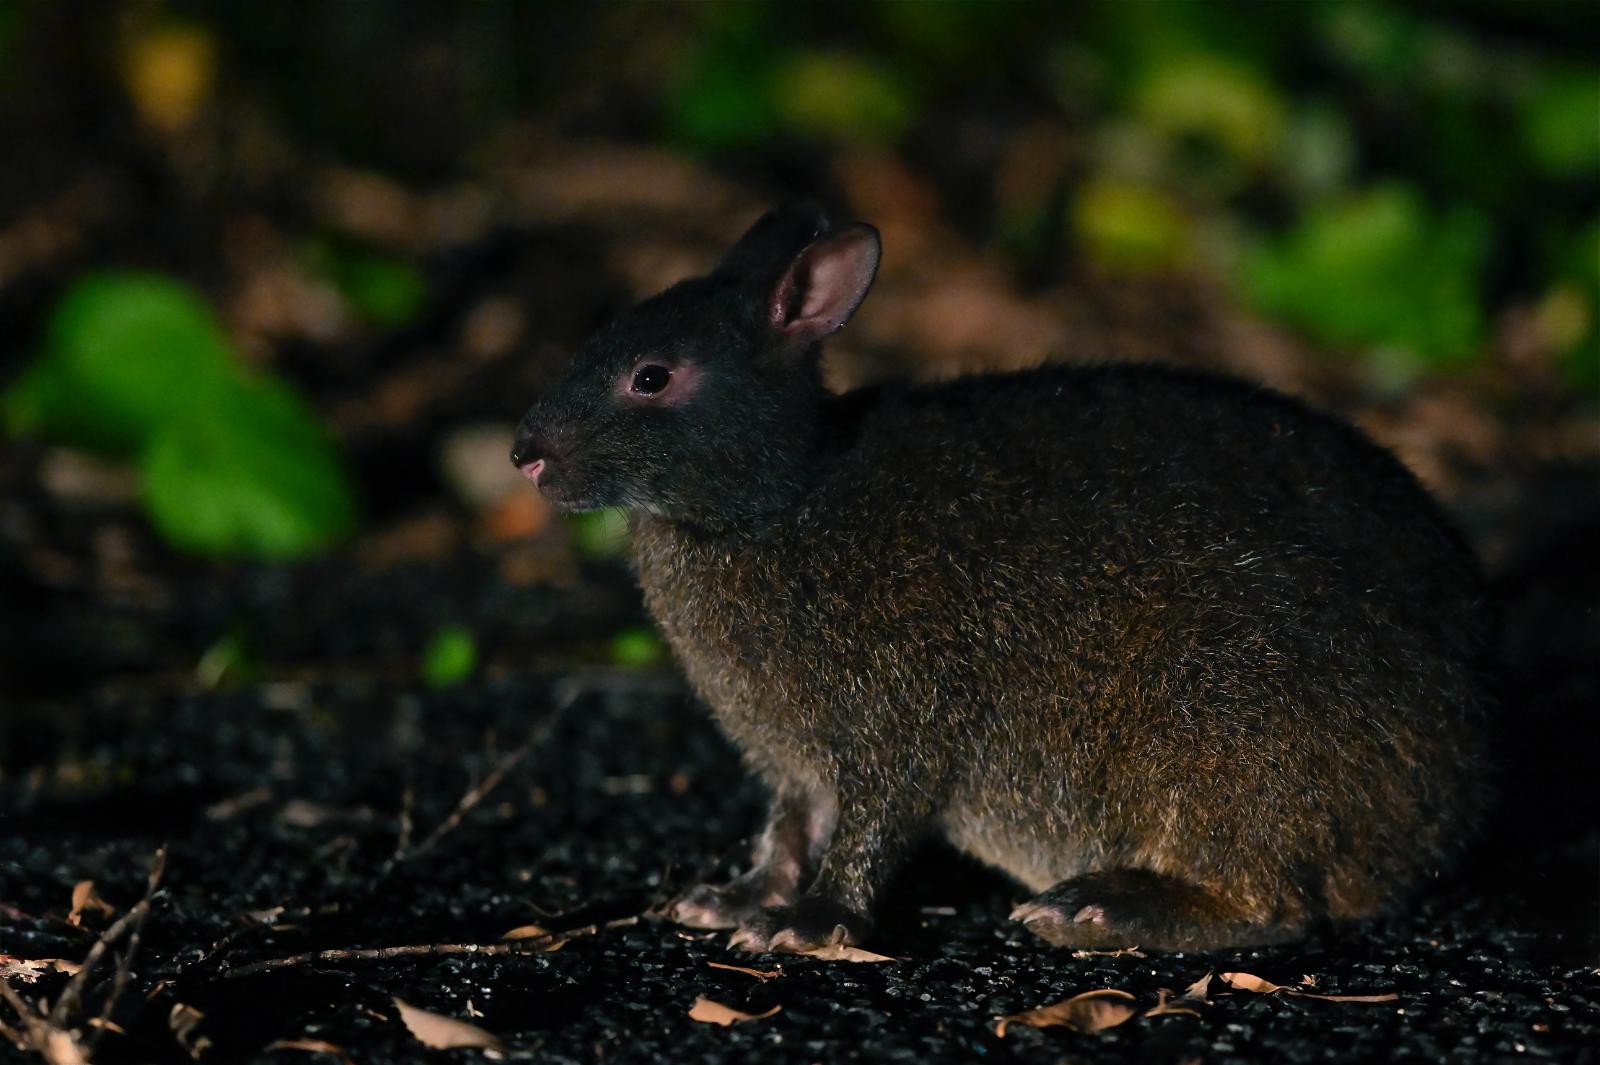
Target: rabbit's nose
532, 471
524, 452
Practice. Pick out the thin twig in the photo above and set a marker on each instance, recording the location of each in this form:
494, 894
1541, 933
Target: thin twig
119, 984
531, 945
130, 920
476, 795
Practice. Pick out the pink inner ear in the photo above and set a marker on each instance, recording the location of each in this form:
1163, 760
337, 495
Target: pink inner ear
826, 284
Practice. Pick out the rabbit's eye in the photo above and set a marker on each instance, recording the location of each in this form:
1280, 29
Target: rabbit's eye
648, 380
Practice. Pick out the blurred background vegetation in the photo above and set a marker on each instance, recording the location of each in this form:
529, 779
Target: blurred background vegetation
275, 279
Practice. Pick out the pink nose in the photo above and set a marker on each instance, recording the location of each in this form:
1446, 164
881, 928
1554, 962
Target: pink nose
532, 471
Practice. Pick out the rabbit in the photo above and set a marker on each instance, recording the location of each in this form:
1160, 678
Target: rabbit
1194, 664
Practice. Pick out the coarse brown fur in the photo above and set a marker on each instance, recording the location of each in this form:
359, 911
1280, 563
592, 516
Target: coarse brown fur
1192, 661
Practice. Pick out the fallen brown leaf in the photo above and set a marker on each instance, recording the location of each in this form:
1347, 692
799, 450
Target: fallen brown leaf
759, 974
533, 931
706, 1011
840, 952
1092, 1011
25, 969
1167, 1006
444, 1033
1188, 1003
84, 899
312, 1046
184, 1020
527, 931
1251, 982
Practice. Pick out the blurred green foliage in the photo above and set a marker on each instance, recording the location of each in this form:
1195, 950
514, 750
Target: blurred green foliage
637, 647
383, 291
599, 533
1372, 174
450, 658
233, 462
745, 85
1558, 122
1376, 267
231, 660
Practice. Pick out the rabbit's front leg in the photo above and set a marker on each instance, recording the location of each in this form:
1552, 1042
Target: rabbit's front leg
798, 825
872, 834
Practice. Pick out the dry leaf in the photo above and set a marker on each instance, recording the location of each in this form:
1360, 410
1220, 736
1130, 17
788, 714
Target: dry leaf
184, 1020
444, 1033
1092, 1011
840, 952
24, 969
708, 1012
533, 931
83, 899
527, 931
1188, 1003
312, 1046
759, 974
1251, 982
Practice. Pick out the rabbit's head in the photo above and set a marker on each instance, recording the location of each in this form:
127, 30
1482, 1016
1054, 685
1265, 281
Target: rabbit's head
704, 403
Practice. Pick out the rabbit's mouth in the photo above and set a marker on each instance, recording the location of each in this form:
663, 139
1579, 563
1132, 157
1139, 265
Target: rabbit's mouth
557, 492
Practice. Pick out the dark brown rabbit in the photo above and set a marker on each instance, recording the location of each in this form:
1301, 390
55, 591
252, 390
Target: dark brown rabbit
1192, 662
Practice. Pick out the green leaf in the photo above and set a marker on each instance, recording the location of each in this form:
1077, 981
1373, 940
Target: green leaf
1377, 269
637, 647
136, 366
257, 477
125, 354
450, 658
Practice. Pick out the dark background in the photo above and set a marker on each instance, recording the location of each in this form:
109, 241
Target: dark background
276, 280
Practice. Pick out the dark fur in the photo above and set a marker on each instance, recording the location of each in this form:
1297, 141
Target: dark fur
1190, 659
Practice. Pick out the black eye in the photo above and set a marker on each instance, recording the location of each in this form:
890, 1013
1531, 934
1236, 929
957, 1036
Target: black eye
648, 380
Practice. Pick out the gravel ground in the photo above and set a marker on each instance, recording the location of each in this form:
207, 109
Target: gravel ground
283, 804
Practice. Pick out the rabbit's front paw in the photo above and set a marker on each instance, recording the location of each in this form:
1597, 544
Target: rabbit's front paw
718, 905
807, 925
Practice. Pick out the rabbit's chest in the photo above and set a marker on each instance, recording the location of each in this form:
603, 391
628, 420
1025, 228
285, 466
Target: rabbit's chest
751, 640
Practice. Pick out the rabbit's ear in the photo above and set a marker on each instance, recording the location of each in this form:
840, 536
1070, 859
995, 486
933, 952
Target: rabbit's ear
824, 285
772, 243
